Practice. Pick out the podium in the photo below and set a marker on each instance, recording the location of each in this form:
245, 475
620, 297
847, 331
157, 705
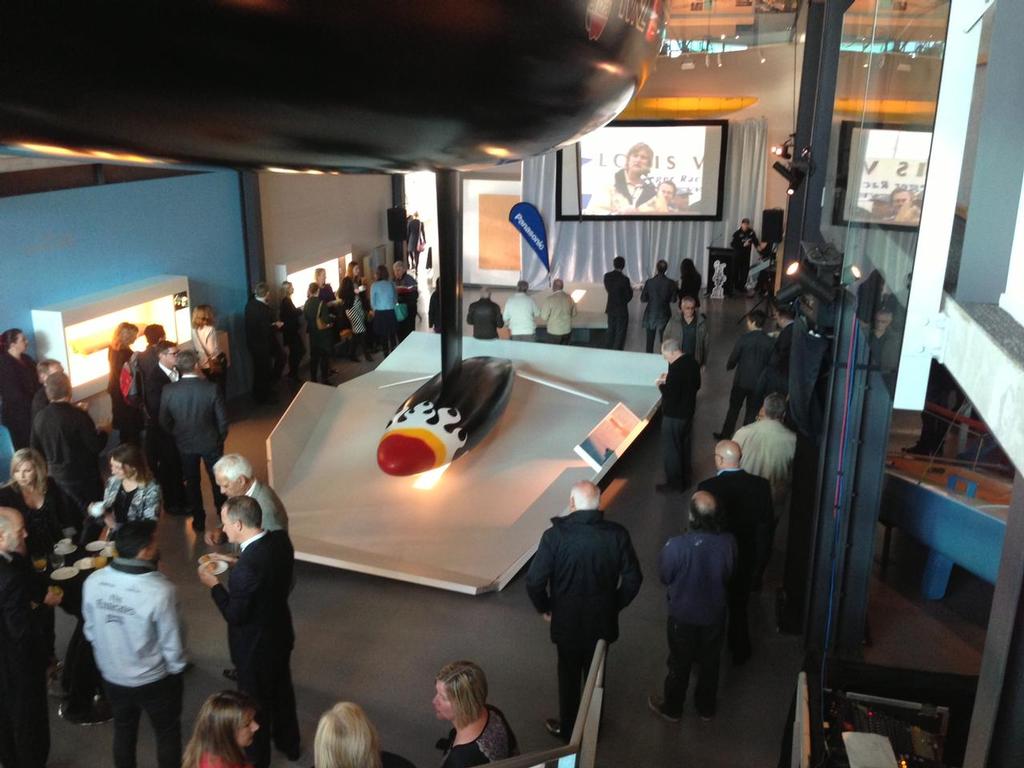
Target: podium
725, 255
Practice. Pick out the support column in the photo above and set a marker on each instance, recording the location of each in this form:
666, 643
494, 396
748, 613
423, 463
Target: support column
449, 235
252, 223
398, 201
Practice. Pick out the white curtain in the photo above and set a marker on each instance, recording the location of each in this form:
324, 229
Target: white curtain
583, 251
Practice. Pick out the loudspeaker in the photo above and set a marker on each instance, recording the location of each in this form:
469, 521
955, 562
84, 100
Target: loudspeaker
771, 225
396, 224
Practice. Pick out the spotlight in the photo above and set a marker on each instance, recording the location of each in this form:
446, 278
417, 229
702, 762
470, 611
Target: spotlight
793, 268
794, 173
855, 271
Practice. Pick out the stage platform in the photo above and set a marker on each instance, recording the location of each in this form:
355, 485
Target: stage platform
474, 529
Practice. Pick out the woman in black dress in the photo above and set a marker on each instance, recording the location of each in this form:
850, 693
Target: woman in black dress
689, 281
481, 734
291, 319
127, 417
18, 385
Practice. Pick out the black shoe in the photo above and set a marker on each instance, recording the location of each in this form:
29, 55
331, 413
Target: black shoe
231, 674
554, 727
656, 704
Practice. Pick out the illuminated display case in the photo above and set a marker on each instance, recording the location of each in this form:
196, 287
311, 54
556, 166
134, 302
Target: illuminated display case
78, 332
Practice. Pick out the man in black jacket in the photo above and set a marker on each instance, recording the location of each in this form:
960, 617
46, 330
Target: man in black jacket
70, 442
161, 452
24, 713
485, 316
192, 411
750, 358
261, 327
260, 633
678, 402
747, 503
585, 572
658, 294
620, 293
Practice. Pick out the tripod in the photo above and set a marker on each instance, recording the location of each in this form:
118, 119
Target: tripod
766, 273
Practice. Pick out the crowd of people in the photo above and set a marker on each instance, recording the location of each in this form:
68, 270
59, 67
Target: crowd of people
128, 653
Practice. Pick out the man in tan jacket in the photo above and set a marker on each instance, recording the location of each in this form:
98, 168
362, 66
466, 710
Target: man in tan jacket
557, 313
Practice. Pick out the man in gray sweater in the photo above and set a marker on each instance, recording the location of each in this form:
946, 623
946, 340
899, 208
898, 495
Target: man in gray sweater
133, 622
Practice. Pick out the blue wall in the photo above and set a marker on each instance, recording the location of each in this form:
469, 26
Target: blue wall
62, 245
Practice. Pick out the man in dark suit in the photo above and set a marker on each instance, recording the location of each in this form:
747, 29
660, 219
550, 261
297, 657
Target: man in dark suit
749, 357
678, 387
39, 400
585, 572
261, 326
620, 293
192, 411
24, 712
70, 442
161, 452
747, 502
260, 633
658, 293
485, 316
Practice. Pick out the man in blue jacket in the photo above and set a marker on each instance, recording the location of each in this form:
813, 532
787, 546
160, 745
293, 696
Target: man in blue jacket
695, 568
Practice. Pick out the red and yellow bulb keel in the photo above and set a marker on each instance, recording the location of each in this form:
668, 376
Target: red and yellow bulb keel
419, 439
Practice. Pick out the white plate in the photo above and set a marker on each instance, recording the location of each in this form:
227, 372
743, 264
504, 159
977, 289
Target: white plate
64, 547
219, 566
63, 574
204, 559
96, 546
85, 564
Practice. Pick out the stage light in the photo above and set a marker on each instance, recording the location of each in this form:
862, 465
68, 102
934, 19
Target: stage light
793, 268
425, 481
855, 271
793, 173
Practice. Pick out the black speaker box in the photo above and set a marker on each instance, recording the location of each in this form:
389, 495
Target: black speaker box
396, 224
771, 225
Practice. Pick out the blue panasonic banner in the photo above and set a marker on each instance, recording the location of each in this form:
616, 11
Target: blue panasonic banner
526, 218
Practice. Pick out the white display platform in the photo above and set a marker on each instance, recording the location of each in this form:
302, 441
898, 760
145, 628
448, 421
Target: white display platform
482, 521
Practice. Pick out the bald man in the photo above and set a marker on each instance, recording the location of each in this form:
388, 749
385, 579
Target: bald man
24, 714
746, 501
696, 568
585, 572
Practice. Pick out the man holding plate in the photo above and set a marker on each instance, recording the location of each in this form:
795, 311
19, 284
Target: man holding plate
24, 715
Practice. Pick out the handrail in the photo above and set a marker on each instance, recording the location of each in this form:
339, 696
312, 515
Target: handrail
595, 679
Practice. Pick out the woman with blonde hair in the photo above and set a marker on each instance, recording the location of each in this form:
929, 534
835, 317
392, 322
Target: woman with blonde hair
345, 738
481, 734
127, 417
204, 341
225, 727
33, 493
131, 492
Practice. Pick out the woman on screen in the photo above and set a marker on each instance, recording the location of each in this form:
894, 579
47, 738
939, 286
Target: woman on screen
630, 186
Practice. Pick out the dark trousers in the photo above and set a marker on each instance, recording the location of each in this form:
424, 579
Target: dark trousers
737, 397
690, 644
652, 332
573, 666
161, 702
407, 326
266, 370
561, 339
24, 714
740, 270
319, 364
269, 681
675, 450
617, 325
162, 454
739, 620
358, 344
194, 485
296, 349
81, 679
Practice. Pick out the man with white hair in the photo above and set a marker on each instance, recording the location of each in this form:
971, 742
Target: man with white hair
585, 572
557, 313
520, 315
236, 477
